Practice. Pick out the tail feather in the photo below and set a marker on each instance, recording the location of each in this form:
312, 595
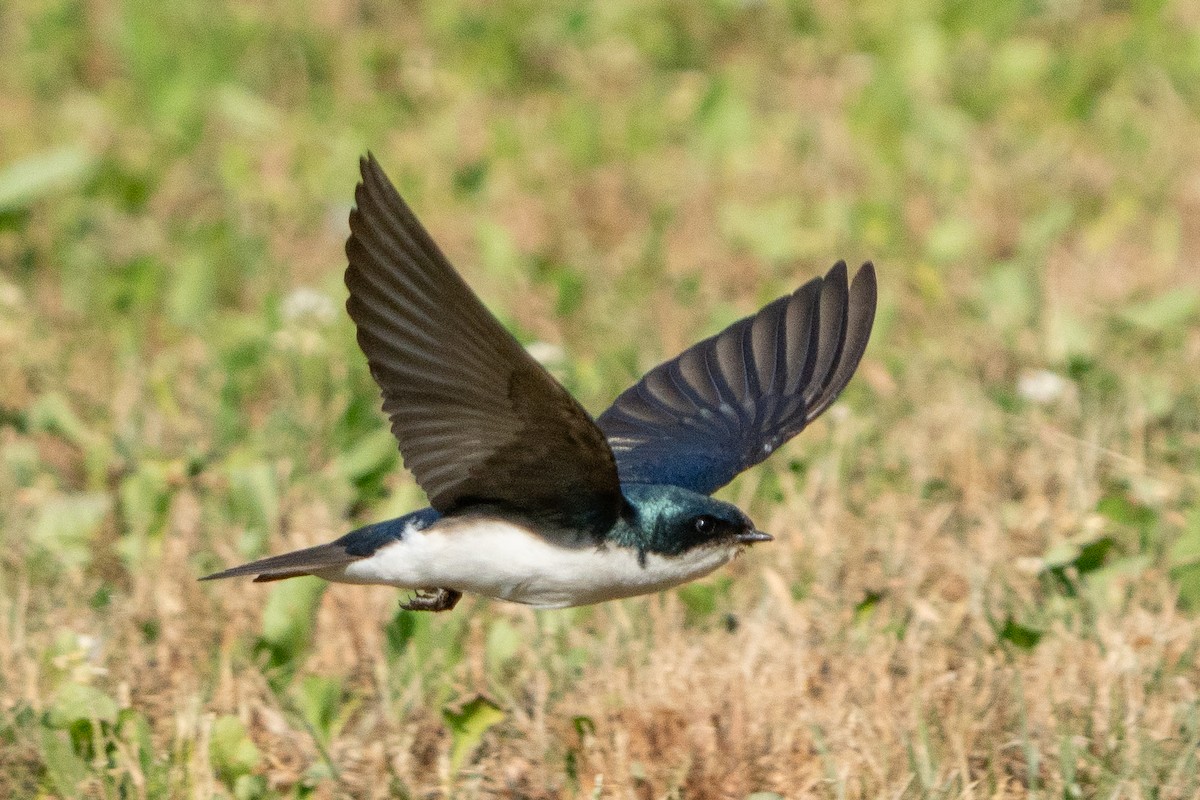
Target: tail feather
290, 565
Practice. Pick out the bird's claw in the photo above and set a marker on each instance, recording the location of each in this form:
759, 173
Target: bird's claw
432, 600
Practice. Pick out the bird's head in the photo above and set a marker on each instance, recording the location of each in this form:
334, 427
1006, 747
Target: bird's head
670, 520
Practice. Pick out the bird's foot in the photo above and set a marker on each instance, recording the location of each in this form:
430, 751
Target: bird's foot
432, 600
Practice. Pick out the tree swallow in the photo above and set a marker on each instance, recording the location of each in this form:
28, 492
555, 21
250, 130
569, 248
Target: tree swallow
532, 500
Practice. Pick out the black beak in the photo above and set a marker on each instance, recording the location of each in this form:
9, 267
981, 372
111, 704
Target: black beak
751, 536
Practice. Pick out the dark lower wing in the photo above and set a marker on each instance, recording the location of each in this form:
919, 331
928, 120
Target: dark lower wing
478, 420
726, 403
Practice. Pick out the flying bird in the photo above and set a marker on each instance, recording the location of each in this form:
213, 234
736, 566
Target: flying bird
531, 499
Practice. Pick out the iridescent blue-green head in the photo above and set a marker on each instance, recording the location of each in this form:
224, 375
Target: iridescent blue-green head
669, 521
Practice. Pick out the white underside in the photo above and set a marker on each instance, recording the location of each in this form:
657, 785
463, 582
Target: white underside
504, 561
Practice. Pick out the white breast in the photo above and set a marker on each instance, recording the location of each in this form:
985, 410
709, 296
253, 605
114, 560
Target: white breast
505, 561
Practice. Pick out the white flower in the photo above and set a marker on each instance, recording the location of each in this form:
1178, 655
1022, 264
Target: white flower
1042, 386
305, 303
10, 295
545, 353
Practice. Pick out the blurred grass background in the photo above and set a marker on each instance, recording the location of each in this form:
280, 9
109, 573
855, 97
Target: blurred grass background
986, 577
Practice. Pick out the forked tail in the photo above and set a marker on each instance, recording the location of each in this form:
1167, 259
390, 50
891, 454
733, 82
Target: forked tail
291, 565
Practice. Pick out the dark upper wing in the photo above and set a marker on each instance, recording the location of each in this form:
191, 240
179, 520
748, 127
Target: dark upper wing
725, 404
479, 421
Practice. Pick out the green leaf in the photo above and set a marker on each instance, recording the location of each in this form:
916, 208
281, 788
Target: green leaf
1120, 508
772, 233
246, 111
134, 730
1019, 635
27, 181
19, 458
66, 525
1170, 310
371, 457
192, 292
1022, 62
1009, 294
467, 726
144, 496
571, 288
951, 239
75, 702
1067, 335
1186, 549
144, 501
1041, 230
254, 501
66, 769
1184, 560
866, 607
250, 787
584, 726
232, 751
724, 119
503, 643
288, 620
701, 600
1187, 578
319, 699
1085, 555
470, 178
52, 413
497, 250
1092, 554
401, 630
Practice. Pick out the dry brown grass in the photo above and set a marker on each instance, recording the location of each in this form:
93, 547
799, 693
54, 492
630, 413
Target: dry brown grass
803, 697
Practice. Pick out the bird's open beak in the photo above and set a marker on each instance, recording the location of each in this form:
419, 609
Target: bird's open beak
752, 536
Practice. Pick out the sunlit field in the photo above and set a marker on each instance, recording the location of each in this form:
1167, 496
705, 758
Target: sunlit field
986, 575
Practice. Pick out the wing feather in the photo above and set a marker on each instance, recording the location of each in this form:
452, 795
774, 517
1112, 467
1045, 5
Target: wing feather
478, 420
726, 403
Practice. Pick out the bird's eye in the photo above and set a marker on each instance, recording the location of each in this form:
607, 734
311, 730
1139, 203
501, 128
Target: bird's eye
705, 525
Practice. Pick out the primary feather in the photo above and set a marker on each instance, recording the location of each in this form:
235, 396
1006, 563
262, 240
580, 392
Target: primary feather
726, 403
479, 421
